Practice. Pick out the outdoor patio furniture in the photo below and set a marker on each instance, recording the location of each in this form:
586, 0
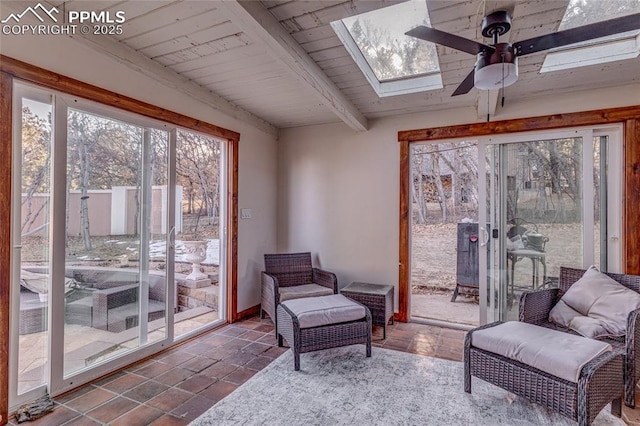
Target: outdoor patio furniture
576, 377
291, 276
377, 297
39, 282
113, 309
537, 258
535, 307
315, 323
33, 313
34, 300
467, 262
523, 244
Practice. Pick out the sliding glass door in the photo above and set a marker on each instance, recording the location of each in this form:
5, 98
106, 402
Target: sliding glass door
33, 144
106, 208
444, 232
200, 181
113, 301
548, 200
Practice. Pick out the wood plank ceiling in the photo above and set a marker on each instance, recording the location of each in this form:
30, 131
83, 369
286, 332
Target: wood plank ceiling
204, 44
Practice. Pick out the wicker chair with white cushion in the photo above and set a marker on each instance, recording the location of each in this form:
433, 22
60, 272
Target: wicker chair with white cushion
546, 308
572, 375
291, 276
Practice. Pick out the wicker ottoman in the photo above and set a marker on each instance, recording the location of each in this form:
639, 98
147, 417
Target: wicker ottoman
592, 375
313, 323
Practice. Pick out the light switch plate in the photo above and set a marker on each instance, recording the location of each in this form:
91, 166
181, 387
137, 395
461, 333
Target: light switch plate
245, 213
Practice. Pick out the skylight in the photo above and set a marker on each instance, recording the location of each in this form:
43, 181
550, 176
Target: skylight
393, 63
606, 49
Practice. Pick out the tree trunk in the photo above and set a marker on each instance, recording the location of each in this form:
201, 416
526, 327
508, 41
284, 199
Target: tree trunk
136, 196
417, 187
70, 173
37, 181
418, 198
442, 199
84, 195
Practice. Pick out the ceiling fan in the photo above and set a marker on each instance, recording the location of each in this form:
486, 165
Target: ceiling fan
497, 63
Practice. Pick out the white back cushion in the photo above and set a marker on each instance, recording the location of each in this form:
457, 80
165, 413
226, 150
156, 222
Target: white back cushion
596, 306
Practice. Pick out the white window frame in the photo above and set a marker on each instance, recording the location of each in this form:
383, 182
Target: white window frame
625, 46
55, 381
400, 86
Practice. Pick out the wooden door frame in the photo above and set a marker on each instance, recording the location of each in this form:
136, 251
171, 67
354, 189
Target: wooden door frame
11, 68
629, 117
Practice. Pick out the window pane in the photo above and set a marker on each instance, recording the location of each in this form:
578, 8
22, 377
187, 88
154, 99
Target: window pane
616, 47
104, 227
156, 258
380, 37
600, 231
544, 214
583, 12
34, 238
197, 261
444, 232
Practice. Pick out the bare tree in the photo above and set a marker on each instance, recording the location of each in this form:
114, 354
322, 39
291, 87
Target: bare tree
197, 167
437, 179
557, 165
102, 153
445, 173
390, 57
583, 12
417, 187
36, 163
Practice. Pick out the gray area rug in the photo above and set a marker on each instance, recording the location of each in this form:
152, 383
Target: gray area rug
342, 387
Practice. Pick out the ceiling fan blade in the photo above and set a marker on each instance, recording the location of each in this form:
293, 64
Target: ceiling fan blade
450, 40
466, 85
579, 34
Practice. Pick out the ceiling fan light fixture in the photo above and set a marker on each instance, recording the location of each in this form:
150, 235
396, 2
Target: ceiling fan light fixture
490, 77
496, 69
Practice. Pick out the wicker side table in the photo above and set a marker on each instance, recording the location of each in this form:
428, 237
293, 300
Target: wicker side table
377, 297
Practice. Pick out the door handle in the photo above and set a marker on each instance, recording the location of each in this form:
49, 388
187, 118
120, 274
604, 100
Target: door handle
486, 237
172, 237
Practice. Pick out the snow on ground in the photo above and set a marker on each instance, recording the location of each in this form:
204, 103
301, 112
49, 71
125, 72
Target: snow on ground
158, 250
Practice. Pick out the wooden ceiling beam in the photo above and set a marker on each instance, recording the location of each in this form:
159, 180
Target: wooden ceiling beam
154, 70
487, 103
261, 26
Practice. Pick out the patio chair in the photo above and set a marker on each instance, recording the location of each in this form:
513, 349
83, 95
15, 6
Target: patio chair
291, 276
535, 307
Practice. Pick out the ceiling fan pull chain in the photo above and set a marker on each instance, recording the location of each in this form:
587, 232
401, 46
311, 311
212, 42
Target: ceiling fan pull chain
488, 110
502, 102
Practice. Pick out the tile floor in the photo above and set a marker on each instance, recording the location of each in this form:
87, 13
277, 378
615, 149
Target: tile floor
177, 386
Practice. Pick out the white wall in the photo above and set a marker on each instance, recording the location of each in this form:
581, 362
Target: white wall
339, 190
257, 156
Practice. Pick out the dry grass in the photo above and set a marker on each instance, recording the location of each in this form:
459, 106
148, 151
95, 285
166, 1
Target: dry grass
433, 254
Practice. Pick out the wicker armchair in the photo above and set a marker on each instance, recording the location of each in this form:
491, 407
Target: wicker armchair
292, 276
535, 307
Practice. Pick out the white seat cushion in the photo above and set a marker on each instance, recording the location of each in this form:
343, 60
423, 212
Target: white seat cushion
559, 354
325, 310
305, 290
